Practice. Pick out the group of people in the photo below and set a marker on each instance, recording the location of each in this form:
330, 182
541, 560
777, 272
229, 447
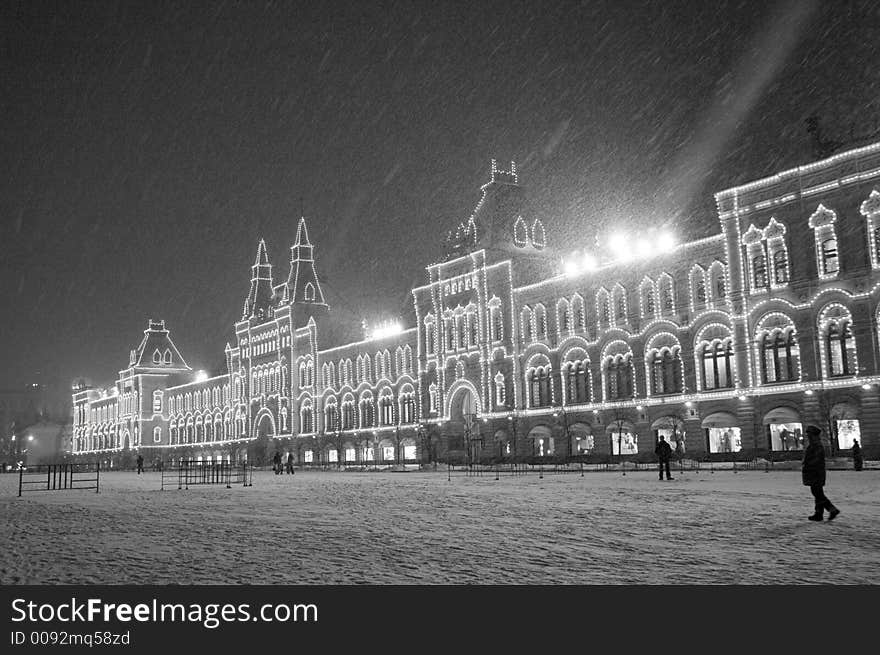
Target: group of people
812, 470
277, 463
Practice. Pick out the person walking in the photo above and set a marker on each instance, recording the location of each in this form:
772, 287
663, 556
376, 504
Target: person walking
813, 475
857, 455
290, 463
140, 464
663, 452
276, 463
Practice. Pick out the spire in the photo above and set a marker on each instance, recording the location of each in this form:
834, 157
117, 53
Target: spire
302, 283
261, 293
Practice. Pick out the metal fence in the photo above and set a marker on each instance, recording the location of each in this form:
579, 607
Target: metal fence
192, 473
59, 477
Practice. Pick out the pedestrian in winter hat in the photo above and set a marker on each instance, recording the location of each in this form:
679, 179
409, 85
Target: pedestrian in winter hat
813, 472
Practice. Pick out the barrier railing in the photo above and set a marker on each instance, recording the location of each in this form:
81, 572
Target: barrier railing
192, 473
59, 477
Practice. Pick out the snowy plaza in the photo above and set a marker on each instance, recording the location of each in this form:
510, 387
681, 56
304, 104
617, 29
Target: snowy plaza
421, 528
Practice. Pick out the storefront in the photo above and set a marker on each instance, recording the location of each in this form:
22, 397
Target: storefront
542, 442
624, 440
846, 425
671, 428
785, 431
723, 435
582, 441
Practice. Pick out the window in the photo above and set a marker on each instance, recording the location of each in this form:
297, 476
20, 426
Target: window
497, 324
348, 415
540, 322
780, 267
822, 221
648, 308
407, 407
719, 286
759, 271
577, 383
778, 350
579, 313
724, 440
620, 306
157, 402
829, 257
450, 333
666, 371
429, 335
500, 391
157, 435
539, 386
331, 417
157, 358
603, 308
835, 326
434, 398
526, 317
667, 298
618, 377
367, 418
563, 317
307, 423
716, 365
386, 410
309, 292
167, 356
473, 329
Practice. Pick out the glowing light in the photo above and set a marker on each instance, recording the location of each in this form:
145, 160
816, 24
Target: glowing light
387, 329
689, 404
201, 376
666, 241
589, 262
808, 392
643, 247
866, 387
639, 408
30, 437
618, 245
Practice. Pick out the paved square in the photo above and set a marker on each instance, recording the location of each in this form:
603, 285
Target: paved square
348, 528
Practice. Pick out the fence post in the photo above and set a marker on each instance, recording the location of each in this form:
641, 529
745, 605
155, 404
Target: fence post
20, 474
98, 478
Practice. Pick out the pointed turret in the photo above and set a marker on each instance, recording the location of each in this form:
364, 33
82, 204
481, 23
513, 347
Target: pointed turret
261, 293
302, 283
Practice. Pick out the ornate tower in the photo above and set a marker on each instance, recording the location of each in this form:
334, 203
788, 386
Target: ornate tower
302, 283
261, 294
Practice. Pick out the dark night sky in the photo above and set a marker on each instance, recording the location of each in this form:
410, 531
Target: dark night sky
146, 147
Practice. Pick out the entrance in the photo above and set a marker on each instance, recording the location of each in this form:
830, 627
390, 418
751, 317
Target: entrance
464, 438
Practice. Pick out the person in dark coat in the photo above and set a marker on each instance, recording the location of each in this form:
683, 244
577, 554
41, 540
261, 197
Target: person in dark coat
290, 463
140, 463
813, 473
276, 463
857, 455
663, 452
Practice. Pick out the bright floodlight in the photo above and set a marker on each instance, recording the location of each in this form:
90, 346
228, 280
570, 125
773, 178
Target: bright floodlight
386, 330
201, 376
643, 247
589, 262
571, 268
618, 245
665, 241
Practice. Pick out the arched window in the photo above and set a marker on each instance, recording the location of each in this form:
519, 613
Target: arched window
367, 412
407, 406
473, 328
309, 292
386, 409
618, 374
449, 330
830, 264
500, 390
526, 317
577, 384
563, 316
620, 312
647, 304
603, 308
429, 334
540, 322
759, 271
715, 358
348, 414
778, 349
665, 371
306, 419
667, 297
157, 358
579, 315
496, 322
434, 398
835, 326
331, 416
157, 401
538, 380
822, 221
780, 267
167, 358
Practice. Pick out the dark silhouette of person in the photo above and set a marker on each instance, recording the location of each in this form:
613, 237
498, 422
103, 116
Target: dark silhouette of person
290, 463
276, 463
140, 464
857, 455
813, 473
663, 452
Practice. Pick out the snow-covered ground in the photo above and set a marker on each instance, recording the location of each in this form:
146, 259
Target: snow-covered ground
346, 528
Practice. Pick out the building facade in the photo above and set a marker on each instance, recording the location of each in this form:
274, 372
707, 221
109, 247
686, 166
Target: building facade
728, 346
